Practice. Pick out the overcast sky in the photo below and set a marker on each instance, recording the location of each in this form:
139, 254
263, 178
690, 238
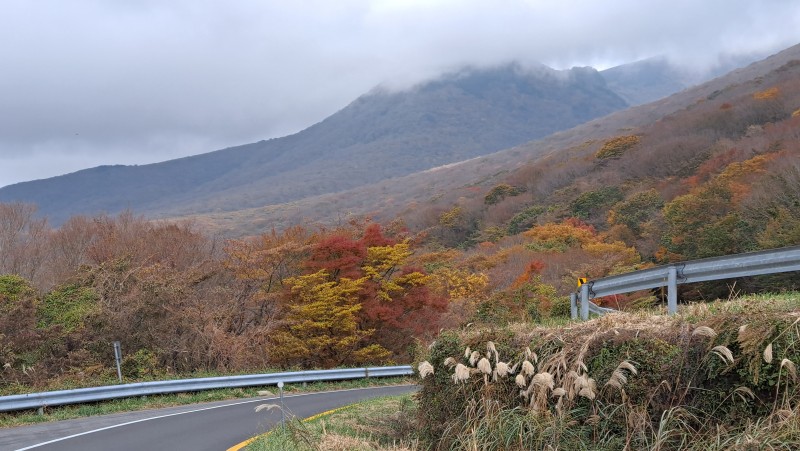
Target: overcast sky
85, 83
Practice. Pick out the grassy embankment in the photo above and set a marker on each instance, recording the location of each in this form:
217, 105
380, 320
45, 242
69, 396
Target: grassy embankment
716, 376
385, 423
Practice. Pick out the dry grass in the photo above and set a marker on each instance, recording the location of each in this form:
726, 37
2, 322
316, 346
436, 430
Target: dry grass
588, 385
704, 379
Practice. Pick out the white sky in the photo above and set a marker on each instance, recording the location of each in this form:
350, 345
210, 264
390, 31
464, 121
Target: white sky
91, 82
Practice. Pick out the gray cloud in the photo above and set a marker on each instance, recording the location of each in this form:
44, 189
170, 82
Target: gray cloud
87, 82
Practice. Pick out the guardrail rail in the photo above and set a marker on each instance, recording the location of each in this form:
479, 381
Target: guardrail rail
771, 261
92, 394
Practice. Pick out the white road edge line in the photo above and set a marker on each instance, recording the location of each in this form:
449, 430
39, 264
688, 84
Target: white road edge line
190, 411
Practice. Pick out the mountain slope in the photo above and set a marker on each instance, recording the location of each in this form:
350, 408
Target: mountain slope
554, 158
382, 134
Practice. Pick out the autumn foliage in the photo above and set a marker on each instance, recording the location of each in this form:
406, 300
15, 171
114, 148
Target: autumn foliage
181, 302
615, 147
720, 176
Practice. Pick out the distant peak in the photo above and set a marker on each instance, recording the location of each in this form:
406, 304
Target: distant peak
508, 71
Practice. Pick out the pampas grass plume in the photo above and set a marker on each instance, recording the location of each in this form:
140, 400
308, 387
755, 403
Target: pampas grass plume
425, 369
544, 379
724, 353
618, 378
587, 392
790, 368
502, 369
704, 331
484, 366
461, 373
627, 365
473, 358
745, 393
527, 368
742, 328
586, 386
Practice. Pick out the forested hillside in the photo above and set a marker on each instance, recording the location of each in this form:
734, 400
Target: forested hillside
430, 192
716, 175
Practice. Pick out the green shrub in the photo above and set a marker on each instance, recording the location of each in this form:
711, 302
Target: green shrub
591, 201
141, 364
524, 219
500, 192
66, 306
531, 302
14, 288
636, 210
560, 308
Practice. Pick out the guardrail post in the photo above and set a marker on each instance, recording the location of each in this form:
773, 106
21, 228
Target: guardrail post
585, 301
118, 359
672, 290
573, 306
283, 410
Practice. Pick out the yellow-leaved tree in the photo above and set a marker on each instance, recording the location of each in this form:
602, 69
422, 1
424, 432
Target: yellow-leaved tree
321, 324
381, 264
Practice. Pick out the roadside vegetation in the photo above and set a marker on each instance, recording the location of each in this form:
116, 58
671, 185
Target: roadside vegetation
718, 376
385, 423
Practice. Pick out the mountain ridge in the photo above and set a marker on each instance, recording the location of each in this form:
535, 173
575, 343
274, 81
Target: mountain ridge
378, 136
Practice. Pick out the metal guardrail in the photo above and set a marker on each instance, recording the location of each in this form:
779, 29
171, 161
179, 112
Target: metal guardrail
771, 261
82, 395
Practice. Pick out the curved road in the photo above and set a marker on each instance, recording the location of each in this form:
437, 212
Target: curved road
212, 426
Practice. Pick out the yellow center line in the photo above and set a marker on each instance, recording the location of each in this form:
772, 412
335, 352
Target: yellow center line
241, 445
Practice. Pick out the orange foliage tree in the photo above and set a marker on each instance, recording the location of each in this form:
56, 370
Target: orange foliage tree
597, 255
394, 296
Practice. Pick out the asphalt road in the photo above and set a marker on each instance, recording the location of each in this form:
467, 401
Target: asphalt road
211, 426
